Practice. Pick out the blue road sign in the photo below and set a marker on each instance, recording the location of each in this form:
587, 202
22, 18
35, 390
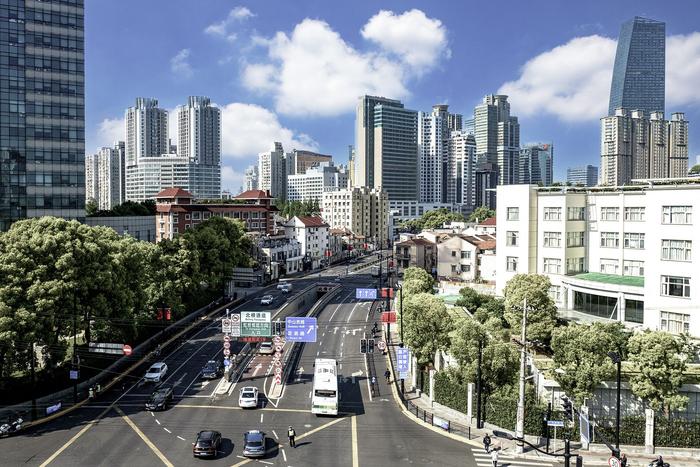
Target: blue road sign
227, 362
366, 294
403, 358
559, 423
300, 329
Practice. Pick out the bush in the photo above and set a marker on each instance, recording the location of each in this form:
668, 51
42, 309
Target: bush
676, 432
502, 409
451, 390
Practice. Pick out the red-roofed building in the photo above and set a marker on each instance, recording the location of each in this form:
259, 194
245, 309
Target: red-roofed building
176, 212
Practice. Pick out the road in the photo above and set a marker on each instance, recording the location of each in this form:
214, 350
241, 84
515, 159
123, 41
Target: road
117, 430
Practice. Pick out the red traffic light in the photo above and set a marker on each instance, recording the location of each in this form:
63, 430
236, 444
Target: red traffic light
167, 314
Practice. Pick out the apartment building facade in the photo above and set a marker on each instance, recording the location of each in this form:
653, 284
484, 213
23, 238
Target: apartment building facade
363, 211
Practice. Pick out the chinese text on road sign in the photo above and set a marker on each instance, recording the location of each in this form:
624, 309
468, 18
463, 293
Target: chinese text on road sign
300, 329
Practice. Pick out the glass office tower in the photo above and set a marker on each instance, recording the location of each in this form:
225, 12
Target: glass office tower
638, 81
42, 110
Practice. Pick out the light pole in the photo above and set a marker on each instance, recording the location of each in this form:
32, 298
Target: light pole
615, 357
520, 421
479, 423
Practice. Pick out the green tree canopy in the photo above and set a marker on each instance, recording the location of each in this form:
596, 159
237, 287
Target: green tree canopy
659, 361
481, 213
582, 352
694, 170
542, 312
289, 209
482, 306
426, 323
127, 208
416, 280
432, 220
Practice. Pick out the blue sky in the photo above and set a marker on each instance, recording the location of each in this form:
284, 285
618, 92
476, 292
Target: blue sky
291, 70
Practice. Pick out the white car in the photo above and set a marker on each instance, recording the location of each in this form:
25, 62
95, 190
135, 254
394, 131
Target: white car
248, 397
266, 348
267, 300
285, 287
156, 373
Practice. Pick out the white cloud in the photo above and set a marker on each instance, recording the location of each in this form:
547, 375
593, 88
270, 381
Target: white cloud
314, 71
418, 40
248, 129
180, 64
109, 131
572, 81
231, 179
239, 13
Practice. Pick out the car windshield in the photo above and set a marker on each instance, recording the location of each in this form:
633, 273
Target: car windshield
210, 366
154, 369
248, 395
254, 444
204, 443
266, 345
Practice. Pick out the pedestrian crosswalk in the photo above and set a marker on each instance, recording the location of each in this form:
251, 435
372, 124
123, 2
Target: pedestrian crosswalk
507, 459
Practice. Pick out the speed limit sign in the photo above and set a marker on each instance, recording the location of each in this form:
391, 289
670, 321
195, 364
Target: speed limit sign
381, 345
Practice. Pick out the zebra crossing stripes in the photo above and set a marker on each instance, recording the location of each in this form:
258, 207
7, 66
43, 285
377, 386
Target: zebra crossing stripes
483, 459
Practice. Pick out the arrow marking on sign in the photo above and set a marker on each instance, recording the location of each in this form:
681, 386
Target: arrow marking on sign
311, 328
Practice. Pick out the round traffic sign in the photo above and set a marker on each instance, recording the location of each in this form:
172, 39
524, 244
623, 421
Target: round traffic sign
227, 352
226, 322
278, 363
227, 345
278, 371
278, 348
235, 318
277, 339
227, 338
381, 345
126, 349
614, 462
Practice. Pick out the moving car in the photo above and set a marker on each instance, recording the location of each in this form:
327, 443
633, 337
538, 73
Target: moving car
161, 397
285, 287
213, 369
267, 300
254, 443
207, 444
266, 348
248, 397
353, 261
156, 373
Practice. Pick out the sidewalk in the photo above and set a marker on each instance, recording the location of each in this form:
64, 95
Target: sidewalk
459, 424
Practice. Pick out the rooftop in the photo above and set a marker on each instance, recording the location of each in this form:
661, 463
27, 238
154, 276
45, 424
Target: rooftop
312, 221
611, 279
174, 192
489, 221
254, 194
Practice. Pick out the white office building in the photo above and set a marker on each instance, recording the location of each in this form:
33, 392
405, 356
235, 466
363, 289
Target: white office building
433, 136
105, 176
612, 253
316, 181
363, 211
461, 183
272, 171
251, 178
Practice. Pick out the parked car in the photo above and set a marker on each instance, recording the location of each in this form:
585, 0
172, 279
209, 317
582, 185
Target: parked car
248, 397
160, 399
213, 369
156, 373
207, 444
254, 443
267, 300
266, 348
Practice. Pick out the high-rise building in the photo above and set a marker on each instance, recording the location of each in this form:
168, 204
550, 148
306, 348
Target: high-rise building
395, 151
469, 125
105, 176
536, 164
316, 181
299, 161
364, 138
251, 178
351, 164
497, 136
586, 175
461, 188
273, 171
42, 110
155, 174
363, 211
146, 131
454, 122
638, 81
433, 137
636, 146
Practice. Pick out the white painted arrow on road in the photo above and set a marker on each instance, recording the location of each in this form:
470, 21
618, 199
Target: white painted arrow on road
257, 368
356, 374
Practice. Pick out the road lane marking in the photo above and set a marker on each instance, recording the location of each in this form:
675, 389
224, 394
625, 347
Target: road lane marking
284, 455
265, 462
224, 407
261, 417
180, 437
167, 430
158, 422
145, 439
353, 424
275, 433
369, 388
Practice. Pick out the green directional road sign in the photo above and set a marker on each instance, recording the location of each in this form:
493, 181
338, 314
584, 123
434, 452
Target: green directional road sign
256, 324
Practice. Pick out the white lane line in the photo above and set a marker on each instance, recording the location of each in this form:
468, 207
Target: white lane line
341, 365
208, 341
180, 437
342, 343
265, 462
157, 421
320, 343
275, 433
309, 394
284, 455
369, 388
261, 417
152, 414
167, 430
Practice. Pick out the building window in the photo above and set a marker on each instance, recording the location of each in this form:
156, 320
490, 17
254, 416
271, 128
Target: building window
676, 250
552, 214
512, 263
187, 226
466, 255
196, 216
675, 323
576, 213
609, 240
552, 266
454, 254
609, 213
454, 268
634, 214
677, 215
633, 268
596, 305
574, 239
512, 214
675, 286
187, 217
609, 266
512, 238
555, 292
634, 241
634, 311
552, 239
574, 265
466, 267
206, 215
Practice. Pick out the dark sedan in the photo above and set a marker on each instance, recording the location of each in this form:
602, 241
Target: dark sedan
212, 370
161, 397
207, 444
254, 444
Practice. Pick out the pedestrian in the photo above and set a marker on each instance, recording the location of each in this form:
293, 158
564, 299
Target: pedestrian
623, 460
374, 380
487, 442
494, 457
291, 434
387, 375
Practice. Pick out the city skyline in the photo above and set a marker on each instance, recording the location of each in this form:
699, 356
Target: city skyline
224, 54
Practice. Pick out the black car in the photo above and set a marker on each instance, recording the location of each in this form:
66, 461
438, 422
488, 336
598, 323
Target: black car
212, 370
161, 397
207, 444
254, 443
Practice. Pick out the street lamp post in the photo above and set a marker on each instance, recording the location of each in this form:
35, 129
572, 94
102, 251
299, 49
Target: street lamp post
617, 359
479, 424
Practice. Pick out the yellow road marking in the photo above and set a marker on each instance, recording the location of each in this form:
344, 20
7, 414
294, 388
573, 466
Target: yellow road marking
355, 459
145, 439
308, 433
75, 438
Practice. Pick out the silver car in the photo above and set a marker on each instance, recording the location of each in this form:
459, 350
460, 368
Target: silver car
267, 300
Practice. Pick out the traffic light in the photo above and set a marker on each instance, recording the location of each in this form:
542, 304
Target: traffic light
370, 345
363, 345
278, 328
568, 408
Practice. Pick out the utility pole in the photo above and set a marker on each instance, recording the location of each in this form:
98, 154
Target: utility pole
478, 388
520, 422
33, 370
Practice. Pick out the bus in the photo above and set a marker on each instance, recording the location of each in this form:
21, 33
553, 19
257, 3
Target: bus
324, 400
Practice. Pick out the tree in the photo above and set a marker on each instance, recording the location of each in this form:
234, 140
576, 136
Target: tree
426, 323
481, 213
658, 362
694, 170
582, 352
91, 207
416, 280
432, 220
541, 310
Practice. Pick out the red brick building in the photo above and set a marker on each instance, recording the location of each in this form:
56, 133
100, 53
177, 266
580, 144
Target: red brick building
176, 212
